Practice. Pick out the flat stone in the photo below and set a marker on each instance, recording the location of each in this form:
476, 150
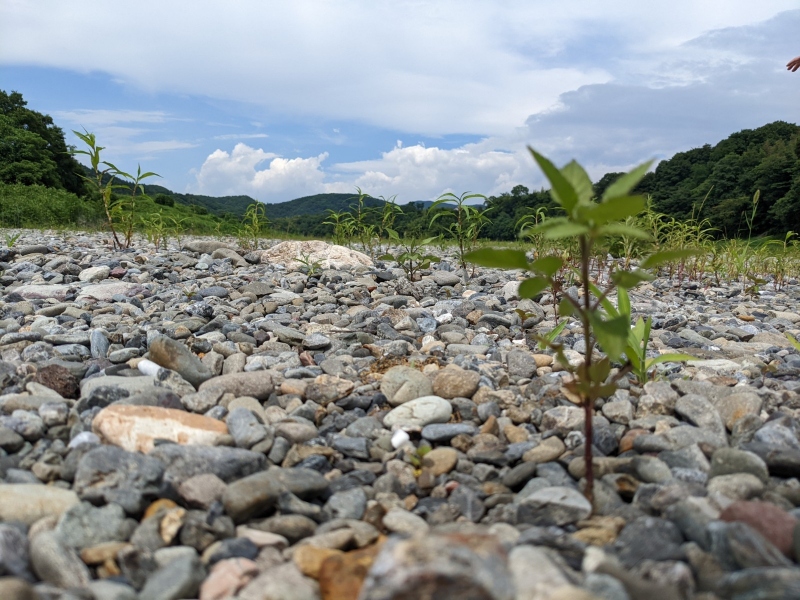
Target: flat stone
135, 428
329, 256
259, 492
257, 384
419, 412
56, 563
448, 565
29, 503
554, 506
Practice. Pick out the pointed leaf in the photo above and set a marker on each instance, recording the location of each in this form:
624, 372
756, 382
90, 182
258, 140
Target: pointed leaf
579, 179
547, 265
666, 256
793, 341
624, 303
615, 209
565, 230
627, 182
532, 287
611, 334
500, 259
670, 358
630, 279
623, 230
562, 191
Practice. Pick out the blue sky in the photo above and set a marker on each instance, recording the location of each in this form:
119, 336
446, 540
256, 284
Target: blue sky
409, 97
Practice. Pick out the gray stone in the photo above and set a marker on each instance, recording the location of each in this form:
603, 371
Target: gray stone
444, 432
180, 578
172, 354
283, 582
649, 538
349, 504
521, 364
14, 555
259, 493
699, 411
728, 461
85, 525
534, 583
111, 474
245, 428
445, 566
354, 447
229, 464
555, 505
401, 384
56, 563
257, 384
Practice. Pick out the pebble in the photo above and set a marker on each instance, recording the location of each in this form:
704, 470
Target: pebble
196, 420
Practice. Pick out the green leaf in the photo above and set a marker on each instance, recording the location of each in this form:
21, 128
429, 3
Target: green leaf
670, 358
627, 182
666, 256
562, 191
624, 303
565, 230
566, 308
630, 279
615, 209
547, 265
793, 341
501, 259
611, 334
621, 229
579, 179
532, 287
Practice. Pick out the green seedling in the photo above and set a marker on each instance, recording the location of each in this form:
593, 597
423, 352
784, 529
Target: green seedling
412, 257
466, 225
11, 239
591, 223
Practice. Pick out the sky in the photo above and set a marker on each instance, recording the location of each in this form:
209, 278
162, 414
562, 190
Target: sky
405, 98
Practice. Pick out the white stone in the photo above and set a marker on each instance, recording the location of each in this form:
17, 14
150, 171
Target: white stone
94, 273
399, 438
329, 256
419, 412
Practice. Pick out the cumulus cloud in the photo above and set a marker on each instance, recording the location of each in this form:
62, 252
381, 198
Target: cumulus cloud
263, 175
464, 66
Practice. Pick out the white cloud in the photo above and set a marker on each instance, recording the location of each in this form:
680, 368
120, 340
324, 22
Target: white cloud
241, 136
464, 66
260, 174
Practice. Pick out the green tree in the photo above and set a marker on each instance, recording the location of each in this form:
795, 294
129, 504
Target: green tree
24, 157
51, 151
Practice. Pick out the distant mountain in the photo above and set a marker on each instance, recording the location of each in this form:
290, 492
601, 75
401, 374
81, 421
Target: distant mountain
317, 204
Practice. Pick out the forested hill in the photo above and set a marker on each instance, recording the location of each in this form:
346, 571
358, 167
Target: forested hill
716, 182
317, 204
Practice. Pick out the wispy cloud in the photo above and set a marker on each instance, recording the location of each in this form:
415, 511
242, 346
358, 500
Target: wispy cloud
241, 136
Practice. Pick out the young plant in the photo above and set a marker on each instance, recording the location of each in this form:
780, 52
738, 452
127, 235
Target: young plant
11, 239
120, 213
467, 222
254, 226
342, 226
638, 338
311, 267
590, 223
412, 257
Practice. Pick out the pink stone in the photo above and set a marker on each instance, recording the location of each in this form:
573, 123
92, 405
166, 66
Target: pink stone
227, 577
135, 428
771, 521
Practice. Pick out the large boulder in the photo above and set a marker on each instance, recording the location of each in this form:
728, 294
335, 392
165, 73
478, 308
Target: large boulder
329, 256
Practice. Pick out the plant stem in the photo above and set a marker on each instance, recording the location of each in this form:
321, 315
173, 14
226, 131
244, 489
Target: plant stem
588, 408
